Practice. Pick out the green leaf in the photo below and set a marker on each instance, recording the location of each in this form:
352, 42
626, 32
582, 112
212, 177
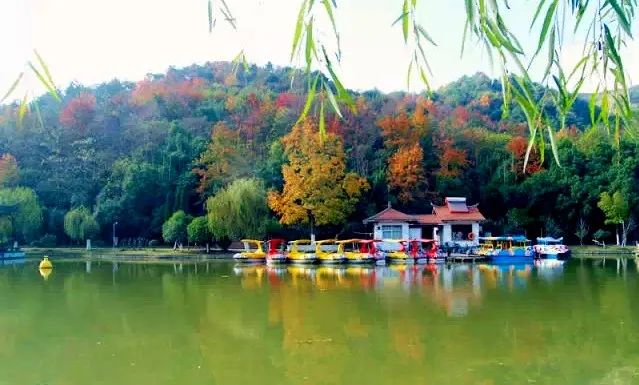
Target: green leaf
621, 16
531, 142
298, 28
50, 87
309, 99
410, 69
12, 88
426, 35
553, 145
405, 21
329, 12
309, 44
547, 21
331, 99
537, 12
38, 114
424, 78
22, 110
592, 107
46, 69
342, 94
322, 122
210, 11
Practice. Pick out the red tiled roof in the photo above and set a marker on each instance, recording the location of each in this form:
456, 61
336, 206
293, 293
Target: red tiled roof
389, 214
444, 214
440, 215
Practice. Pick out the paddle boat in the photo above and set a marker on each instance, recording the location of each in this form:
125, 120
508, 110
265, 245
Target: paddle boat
395, 251
551, 248
506, 250
301, 251
326, 252
424, 249
358, 251
276, 252
253, 252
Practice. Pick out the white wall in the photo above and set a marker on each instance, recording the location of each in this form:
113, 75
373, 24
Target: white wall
377, 229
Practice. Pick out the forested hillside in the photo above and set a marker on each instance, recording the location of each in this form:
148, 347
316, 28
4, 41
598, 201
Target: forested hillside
136, 153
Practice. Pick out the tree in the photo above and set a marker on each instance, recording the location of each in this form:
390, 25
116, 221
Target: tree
615, 207
582, 231
80, 225
239, 211
8, 170
317, 187
223, 160
175, 228
198, 231
25, 217
406, 172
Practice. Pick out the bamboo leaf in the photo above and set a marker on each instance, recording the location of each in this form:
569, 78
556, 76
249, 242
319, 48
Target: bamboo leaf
410, 69
22, 110
592, 107
45, 67
426, 35
546, 25
38, 114
531, 142
298, 28
309, 99
553, 145
424, 78
12, 88
48, 86
621, 16
210, 12
322, 122
537, 12
331, 99
405, 21
309, 44
329, 12
470, 12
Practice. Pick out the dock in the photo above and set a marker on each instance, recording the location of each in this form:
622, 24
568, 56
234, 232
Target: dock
459, 257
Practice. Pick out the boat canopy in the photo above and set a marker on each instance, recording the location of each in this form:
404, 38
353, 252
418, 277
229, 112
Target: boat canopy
550, 240
516, 238
275, 244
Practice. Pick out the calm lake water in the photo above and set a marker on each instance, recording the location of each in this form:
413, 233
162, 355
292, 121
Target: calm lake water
214, 323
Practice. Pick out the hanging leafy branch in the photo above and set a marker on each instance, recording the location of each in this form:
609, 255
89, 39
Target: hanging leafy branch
41, 71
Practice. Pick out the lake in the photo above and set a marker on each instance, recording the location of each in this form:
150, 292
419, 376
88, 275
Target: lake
97, 322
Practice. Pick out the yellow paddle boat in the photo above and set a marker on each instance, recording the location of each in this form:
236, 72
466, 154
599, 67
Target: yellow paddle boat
301, 251
327, 252
253, 252
359, 251
395, 251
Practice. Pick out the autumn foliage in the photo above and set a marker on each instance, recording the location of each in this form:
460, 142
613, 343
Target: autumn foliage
406, 172
8, 170
517, 146
79, 111
452, 160
317, 187
186, 90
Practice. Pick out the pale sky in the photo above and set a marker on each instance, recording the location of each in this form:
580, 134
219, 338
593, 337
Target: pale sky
91, 41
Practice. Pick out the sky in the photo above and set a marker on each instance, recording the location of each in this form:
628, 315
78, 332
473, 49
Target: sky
91, 41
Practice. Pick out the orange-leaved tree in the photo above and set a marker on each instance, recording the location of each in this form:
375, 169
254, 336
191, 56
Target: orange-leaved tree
317, 187
8, 170
223, 161
406, 172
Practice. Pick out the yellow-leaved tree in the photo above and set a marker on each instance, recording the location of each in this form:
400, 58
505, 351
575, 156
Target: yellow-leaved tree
317, 187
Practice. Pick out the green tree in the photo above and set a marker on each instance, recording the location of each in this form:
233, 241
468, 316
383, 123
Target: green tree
198, 231
615, 207
175, 228
239, 211
80, 225
25, 215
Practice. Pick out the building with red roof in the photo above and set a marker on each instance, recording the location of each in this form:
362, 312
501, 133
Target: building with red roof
455, 221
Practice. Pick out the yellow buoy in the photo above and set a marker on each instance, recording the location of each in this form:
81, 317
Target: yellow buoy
45, 264
45, 273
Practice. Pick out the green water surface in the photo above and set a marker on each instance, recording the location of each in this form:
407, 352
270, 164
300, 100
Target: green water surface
121, 323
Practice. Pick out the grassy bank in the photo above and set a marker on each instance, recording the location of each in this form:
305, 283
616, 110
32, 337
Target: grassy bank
599, 252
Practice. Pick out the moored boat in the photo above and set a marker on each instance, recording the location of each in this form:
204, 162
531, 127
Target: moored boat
395, 251
359, 251
276, 251
551, 248
253, 252
301, 251
326, 252
506, 250
425, 249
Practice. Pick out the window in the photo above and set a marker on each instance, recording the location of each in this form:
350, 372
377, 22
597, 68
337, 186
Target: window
392, 232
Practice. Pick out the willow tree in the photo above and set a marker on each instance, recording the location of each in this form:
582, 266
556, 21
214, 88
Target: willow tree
604, 26
80, 225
